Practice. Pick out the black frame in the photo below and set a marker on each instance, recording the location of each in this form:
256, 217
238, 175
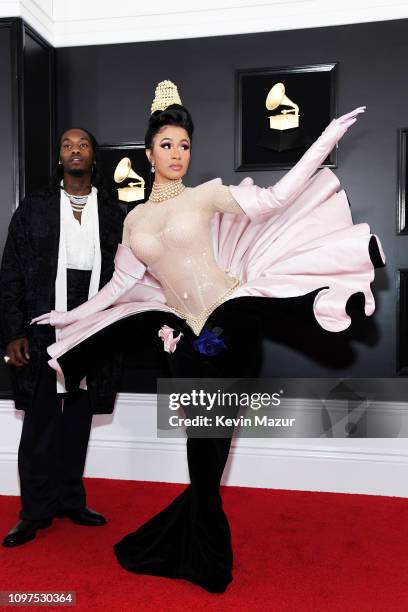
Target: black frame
402, 322
28, 31
240, 165
19, 31
15, 27
125, 149
402, 181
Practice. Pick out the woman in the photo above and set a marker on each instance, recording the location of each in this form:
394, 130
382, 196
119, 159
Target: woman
204, 272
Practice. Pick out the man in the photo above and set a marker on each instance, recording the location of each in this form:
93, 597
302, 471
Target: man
59, 251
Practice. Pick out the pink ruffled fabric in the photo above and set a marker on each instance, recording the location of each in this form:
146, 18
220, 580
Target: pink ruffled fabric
308, 245
169, 341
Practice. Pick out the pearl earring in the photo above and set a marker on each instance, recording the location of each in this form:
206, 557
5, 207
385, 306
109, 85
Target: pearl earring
152, 168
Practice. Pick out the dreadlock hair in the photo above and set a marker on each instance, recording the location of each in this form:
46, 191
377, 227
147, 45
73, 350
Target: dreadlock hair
97, 176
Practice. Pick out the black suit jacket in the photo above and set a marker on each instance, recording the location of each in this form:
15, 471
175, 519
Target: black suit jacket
27, 289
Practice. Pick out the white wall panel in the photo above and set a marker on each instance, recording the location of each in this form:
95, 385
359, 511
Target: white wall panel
125, 446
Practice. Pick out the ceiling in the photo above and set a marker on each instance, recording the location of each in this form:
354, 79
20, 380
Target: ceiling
93, 22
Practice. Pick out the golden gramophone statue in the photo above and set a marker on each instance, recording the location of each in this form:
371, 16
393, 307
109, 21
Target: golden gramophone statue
133, 191
284, 132
283, 120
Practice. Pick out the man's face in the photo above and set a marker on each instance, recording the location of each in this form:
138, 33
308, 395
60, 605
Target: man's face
76, 152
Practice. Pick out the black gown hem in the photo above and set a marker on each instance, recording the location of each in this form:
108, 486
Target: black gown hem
211, 587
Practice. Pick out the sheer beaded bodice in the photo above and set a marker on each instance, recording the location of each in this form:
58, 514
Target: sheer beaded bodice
173, 239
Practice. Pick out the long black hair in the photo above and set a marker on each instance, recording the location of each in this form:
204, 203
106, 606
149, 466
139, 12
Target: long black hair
97, 177
175, 114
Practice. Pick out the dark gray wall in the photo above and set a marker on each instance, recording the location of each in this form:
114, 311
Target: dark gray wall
109, 89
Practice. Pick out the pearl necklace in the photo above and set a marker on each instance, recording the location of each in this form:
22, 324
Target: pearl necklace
165, 191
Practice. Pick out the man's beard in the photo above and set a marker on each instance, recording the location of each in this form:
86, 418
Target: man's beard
76, 172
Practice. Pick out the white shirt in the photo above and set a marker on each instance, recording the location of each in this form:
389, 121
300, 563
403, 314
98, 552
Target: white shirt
79, 237
79, 248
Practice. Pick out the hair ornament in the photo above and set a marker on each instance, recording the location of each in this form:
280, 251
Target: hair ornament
166, 93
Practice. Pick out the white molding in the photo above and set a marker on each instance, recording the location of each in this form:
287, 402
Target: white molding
125, 446
10, 8
99, 22
37, 13
243, 18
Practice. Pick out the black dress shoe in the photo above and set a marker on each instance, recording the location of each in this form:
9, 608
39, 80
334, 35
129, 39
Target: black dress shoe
24, 531
83, 516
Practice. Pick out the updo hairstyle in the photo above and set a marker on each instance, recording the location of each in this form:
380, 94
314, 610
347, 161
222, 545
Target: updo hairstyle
175, 114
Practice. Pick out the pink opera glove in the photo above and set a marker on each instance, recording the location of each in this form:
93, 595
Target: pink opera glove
170, 343
128, 271
56, 318
258, 201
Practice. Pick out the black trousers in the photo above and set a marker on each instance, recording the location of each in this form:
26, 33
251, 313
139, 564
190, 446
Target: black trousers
52, 451
191, 537
54, 439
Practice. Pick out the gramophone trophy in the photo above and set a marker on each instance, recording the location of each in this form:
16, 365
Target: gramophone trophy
284, 120
284, 132
133, 191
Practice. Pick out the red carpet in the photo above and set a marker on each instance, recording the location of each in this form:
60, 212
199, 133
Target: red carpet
293, 550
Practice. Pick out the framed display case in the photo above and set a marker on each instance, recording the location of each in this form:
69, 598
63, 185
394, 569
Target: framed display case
279, 113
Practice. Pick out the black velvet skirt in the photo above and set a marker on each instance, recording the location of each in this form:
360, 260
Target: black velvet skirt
191, 537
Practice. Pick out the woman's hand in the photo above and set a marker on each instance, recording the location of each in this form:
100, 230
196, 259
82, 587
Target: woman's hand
345, 121
258, 201
54, 318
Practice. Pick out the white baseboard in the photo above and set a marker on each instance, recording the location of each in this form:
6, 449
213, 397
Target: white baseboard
125, 446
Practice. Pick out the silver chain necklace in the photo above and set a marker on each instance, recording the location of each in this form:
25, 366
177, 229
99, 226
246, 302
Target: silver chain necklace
78, 202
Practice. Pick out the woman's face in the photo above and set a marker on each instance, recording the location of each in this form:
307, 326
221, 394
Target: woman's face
170, 153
